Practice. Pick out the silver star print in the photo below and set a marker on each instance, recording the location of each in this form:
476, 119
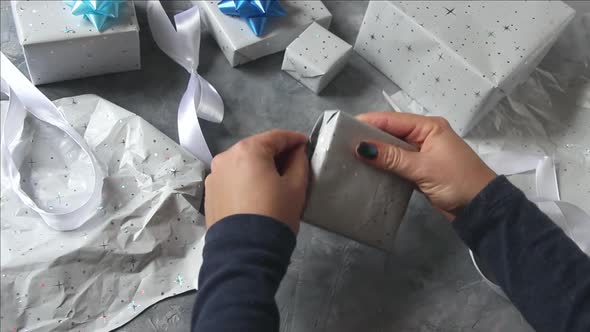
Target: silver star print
450, 11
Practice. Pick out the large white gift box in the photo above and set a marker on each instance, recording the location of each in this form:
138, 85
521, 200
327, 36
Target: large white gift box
240, 45
316, 57
457, 59
60, 46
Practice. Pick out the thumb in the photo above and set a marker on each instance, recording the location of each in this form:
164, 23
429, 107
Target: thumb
296, 168
389, 157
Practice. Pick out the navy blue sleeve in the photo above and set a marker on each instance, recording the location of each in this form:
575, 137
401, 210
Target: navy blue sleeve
541, 270
244, 259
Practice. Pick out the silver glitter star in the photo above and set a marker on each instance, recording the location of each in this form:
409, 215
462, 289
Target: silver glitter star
59, 197
134, 305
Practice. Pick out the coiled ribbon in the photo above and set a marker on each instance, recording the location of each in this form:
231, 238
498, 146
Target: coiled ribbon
255, 12
26, 98
200, 100
96, 11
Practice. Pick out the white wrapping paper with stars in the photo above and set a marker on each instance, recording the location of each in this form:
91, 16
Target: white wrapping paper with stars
141, 246
459, 58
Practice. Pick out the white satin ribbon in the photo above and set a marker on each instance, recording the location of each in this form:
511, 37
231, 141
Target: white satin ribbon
512, 162
200, 100
25, 97
570, 218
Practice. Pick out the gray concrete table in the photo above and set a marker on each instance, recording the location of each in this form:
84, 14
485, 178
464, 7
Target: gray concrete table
332, 284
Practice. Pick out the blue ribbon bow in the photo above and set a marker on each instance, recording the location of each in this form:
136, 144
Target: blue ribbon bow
256, 12
96, 11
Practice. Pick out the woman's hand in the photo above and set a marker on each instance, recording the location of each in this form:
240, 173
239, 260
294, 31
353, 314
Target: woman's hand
266, 174
445, 169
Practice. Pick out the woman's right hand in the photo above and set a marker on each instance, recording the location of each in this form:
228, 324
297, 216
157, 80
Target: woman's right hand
445, 168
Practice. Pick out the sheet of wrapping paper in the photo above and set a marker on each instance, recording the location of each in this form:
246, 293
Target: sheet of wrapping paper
347, 196
142, 246
59, 46
240, 45
459, 58
315, 57
337, 284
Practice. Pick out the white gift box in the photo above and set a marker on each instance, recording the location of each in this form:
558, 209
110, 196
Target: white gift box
459, 58
315, 57
240, 45
59, 46
348, 196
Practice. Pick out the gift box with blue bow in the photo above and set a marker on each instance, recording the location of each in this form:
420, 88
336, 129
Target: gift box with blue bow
65, 40
250, 29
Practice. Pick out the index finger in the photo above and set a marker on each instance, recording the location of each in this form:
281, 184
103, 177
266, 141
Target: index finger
413, 127
277, 141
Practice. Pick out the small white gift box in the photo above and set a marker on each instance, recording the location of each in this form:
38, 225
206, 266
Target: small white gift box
315, 57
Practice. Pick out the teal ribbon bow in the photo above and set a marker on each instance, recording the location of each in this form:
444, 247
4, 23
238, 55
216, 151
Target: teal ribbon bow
256, 12
96, 11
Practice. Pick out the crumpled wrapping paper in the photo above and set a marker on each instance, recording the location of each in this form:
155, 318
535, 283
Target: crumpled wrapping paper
347, 196
143, 244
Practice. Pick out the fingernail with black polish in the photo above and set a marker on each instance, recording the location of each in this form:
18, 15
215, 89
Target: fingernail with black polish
367, 150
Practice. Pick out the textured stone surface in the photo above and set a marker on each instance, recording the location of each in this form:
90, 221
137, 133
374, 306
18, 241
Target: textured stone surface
333, 284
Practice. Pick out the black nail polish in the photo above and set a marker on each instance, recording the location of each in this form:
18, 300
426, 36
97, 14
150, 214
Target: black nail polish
367, 150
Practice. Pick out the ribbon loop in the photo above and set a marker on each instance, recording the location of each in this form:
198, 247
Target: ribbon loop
200, 100
25, 97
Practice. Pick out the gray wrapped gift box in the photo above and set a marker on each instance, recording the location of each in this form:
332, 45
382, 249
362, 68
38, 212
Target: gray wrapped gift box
59, 46
347, 196
315, 57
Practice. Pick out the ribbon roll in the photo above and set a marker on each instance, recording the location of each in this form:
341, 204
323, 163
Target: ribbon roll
200, 100
97, 11
256, 12
25, 97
